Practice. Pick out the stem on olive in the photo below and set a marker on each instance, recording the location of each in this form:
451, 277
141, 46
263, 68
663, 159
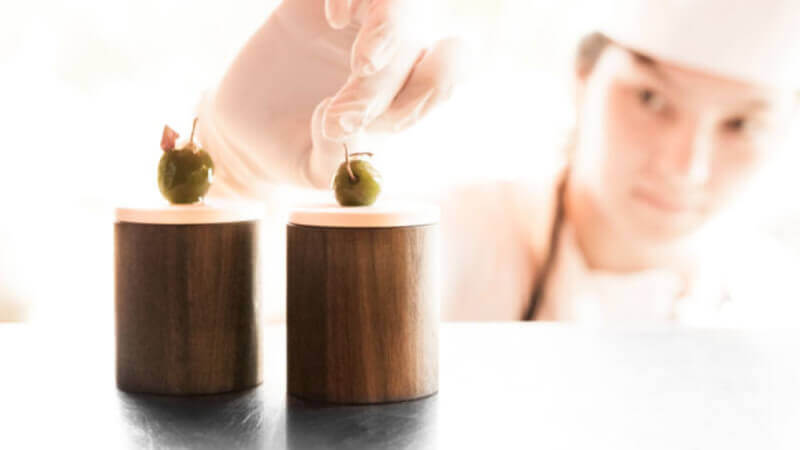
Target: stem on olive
191, 136
347, 164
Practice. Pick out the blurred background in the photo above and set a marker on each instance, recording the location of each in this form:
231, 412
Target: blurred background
86, 87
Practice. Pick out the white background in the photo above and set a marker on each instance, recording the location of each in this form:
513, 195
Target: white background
86, 86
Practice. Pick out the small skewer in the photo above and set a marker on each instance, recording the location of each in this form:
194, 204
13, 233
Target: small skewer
347, 163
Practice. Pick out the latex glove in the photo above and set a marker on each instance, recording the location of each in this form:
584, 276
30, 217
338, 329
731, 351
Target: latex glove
390, 100
311, 77
395, 78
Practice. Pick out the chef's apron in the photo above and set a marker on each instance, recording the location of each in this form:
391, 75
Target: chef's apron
555, 230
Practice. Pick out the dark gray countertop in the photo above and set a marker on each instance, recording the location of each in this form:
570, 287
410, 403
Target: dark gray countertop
520, 385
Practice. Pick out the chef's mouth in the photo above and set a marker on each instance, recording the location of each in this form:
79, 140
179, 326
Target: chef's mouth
665, 203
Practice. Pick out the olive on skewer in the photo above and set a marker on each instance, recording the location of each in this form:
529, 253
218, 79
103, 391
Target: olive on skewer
184, 174
357, 182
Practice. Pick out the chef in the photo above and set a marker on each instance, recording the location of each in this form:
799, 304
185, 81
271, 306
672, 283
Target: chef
678, 105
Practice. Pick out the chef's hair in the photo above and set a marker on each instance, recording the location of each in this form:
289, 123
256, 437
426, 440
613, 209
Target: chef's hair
590, 48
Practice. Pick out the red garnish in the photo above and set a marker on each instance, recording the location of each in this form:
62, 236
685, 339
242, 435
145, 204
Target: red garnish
168, 138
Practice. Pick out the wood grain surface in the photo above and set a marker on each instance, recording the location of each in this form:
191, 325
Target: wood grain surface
362, 313
187, 307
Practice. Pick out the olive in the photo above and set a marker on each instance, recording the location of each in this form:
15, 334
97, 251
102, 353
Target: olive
358, 186
184, 175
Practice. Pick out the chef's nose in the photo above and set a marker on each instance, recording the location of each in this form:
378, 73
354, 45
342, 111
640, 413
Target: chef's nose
688, 155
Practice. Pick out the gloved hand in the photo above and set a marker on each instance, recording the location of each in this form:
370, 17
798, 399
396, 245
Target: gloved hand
338, 67
394, 78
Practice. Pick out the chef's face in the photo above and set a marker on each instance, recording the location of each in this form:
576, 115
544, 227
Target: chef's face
662, 148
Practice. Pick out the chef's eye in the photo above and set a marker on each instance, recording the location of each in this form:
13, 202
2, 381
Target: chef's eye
737, 125
651, 100
749, 126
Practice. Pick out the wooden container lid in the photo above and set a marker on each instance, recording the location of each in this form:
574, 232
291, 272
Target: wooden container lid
382, 214
210, 211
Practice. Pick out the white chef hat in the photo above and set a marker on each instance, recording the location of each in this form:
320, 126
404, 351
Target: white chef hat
750, 40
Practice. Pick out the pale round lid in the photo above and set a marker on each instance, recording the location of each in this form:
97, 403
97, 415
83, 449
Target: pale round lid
382, 214
210, 211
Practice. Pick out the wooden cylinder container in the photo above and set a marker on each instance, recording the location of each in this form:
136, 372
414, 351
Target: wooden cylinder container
187, 301
362, 303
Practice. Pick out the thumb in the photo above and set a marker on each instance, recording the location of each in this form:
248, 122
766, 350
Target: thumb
339, 13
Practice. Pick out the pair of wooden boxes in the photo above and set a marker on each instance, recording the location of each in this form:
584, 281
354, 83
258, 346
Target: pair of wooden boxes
362, 301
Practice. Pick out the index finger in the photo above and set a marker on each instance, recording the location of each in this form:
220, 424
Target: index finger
386, 24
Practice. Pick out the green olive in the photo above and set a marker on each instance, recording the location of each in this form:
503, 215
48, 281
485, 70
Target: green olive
362, 189
185, 175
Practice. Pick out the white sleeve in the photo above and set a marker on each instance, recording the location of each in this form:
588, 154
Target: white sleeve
256, 122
